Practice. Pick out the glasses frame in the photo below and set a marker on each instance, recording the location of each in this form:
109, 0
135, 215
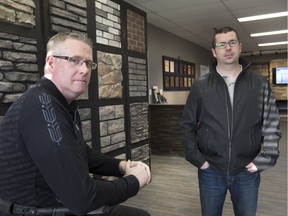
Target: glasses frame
78, 61
231, 43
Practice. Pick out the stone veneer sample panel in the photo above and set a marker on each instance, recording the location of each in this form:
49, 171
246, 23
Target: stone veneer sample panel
112, 127
137, 77
18, 66
139, 122
18, 12
85, 116
109, 75
108, 23
68, 15
141, 153
136, 32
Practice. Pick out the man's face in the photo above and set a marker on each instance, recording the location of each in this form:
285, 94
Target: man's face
71, 76
227, 48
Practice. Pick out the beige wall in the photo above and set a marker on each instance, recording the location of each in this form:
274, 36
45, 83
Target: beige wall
162, 43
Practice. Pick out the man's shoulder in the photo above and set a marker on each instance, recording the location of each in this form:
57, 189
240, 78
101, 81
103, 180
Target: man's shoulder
255, 76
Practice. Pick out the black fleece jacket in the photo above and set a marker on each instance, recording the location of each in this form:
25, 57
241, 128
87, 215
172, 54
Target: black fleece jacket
44, 160
227, 138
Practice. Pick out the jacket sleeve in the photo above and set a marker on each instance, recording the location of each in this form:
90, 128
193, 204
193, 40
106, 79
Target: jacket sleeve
62, 160
189, 126
101, 164
271, 133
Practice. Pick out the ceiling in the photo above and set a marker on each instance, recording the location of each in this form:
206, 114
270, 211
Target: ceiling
194, 20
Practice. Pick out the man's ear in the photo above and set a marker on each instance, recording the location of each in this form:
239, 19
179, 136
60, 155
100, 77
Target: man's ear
50, 62
213, 52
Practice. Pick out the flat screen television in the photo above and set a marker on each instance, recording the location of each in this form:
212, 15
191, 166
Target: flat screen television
280, 76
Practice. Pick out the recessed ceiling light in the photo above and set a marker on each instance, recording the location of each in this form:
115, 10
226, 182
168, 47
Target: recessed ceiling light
273, 43
264, 16
269, 33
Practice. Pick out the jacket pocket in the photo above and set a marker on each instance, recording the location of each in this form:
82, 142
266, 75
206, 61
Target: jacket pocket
202, 136
209, 142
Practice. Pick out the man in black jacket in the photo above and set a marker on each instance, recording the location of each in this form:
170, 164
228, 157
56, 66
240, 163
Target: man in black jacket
230, 128
44, 159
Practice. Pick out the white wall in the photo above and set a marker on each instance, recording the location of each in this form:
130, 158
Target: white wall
162, 43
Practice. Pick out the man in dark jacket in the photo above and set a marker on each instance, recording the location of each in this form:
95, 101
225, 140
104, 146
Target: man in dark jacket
43, 157
230, 128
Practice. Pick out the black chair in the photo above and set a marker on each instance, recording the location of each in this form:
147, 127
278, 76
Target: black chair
13, 208
62, 211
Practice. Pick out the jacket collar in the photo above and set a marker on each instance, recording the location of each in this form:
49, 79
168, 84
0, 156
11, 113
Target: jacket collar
49, 86
242, 61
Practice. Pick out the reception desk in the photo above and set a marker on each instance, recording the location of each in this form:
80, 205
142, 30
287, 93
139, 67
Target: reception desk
165, 129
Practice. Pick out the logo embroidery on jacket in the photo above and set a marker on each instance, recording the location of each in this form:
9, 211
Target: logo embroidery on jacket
50, 117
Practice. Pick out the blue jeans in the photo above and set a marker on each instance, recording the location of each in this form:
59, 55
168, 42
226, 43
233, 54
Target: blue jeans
243, 188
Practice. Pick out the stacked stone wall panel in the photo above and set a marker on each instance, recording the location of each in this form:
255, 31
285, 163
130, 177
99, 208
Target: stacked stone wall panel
21, 13
139, 122
18, 66
112, 128
141, 153
68, 15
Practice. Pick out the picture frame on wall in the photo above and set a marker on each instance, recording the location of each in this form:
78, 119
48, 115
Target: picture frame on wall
204, 70
178, 75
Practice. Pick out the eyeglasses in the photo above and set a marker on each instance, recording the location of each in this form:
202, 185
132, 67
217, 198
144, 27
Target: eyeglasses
232, 43
78, 61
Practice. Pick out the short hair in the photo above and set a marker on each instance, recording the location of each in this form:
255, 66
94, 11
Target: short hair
62, 36
223, 30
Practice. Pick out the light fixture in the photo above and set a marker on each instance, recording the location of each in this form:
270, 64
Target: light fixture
264, 16
269, 33
273, 43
